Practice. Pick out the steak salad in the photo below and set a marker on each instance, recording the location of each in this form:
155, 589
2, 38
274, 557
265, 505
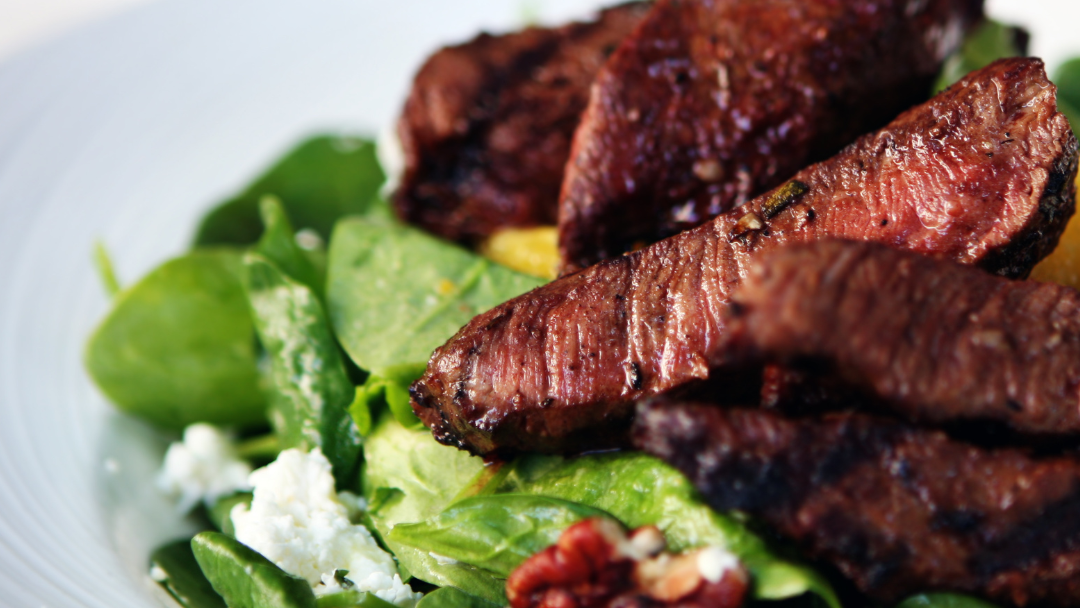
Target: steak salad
747, 412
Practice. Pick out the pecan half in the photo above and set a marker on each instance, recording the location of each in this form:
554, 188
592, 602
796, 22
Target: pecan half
595, 564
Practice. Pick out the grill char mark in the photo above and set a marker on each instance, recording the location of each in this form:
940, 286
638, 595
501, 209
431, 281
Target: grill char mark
912, 511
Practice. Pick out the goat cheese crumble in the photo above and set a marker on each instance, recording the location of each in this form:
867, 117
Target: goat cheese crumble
203, 467
298, 521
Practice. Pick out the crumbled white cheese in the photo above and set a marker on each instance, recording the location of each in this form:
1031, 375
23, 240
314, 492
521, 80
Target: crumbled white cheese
297, 521
713, 562
203, 467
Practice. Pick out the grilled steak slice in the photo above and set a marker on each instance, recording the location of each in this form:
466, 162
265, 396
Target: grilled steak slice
934, 341
486, 129
979, 175
712, 102
896, 508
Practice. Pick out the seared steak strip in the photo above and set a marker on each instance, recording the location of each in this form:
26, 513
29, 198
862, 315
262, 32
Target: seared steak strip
981, 175
934, 341
896, 508
712, 102
487, 126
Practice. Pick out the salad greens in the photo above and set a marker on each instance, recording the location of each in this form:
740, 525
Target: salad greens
408, 477
245, 579
174, 566
989, 42
496, 533
321, 180
260, 323
178, 346
449, 597
1067, 79
310, 389
396, 293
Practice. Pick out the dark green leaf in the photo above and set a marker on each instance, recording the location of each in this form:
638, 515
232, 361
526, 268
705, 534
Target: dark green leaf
245, 578
395, 293
1067, 79
178, 347
943, 600
410, 477
988, 43
319, 181
496, 533
638, 490
311, 391
278, 244
220, 512
449, 597
174, 567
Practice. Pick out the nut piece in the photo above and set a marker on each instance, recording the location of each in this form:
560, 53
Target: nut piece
594, 564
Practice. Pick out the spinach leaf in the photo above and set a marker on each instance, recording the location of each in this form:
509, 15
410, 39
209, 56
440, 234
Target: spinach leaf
638, 490
989, 42
173, 566
449, 597
1067, 79
278, 244
391, 389
178, 347
351, 599
104, 266
409, 477
220, 514
943, 600
395, 293
311, 391
496, 533
319, 181
245, 578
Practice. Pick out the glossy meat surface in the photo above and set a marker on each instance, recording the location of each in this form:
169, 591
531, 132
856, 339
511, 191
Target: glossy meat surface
897, 509
712, 102
978, 175
487, 126
934, 341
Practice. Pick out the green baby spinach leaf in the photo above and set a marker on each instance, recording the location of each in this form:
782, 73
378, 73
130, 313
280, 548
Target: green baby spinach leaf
639, 490
173, 566
178, 347
310, 389
245, 578
278, 244
989, 42
396, 293
943, 600
321, 180
104, 266
408, 478
220, 513
391, 389
352, 598
1067, 79
449, 597
496, 533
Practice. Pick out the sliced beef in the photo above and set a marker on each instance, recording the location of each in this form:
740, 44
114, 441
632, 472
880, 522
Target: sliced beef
981, 174
896, 508
932, 340
486, 129
712, 102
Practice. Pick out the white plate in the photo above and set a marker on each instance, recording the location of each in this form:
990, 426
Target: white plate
126, 132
